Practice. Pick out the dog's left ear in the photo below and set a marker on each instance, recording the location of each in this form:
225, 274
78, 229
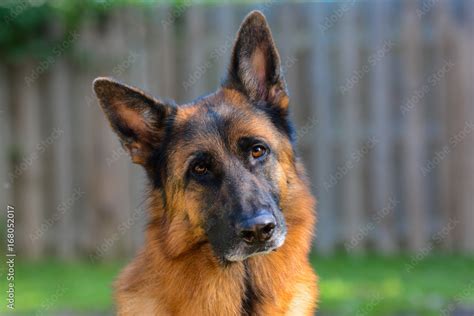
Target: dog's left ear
255, 64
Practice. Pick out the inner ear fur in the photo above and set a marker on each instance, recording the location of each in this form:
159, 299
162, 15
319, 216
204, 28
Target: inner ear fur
138, 119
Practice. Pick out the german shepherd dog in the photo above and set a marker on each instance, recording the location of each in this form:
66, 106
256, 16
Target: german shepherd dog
230, 212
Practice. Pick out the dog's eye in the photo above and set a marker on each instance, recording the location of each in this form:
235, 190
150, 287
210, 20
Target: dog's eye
201, 165
258, 151
199, 169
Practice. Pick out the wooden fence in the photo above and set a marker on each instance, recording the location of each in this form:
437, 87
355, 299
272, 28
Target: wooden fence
382, 94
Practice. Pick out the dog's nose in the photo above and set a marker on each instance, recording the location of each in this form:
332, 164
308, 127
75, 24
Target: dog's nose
257, 229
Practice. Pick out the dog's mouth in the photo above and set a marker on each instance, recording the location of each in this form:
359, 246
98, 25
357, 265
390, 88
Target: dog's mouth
243, 251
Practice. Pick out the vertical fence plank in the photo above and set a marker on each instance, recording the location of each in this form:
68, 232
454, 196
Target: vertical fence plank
50, 217
414, 137
352, 199
454, 119
196, 71
87, 132
154, 43
62, 149
225, 37
28, 193
81, 103
443, 188
382, 172
168, 58
322, 154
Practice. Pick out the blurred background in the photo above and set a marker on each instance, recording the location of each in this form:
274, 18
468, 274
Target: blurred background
382, 96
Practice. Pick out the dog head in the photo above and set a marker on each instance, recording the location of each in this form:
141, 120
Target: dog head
219, 166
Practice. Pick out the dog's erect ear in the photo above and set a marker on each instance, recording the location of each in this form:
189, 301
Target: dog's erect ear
255, 64
138, 120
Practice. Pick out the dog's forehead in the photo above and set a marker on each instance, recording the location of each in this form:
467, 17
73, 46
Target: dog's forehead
219, 116
223, 101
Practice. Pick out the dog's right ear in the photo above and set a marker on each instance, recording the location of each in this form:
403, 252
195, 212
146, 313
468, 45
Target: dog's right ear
138, 119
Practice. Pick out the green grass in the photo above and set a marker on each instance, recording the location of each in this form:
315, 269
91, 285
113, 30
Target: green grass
49, 286
368, 285
372, 285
